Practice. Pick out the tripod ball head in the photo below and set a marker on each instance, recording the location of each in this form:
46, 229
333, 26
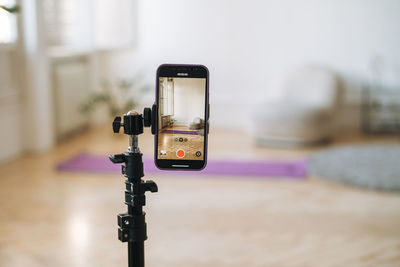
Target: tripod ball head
134, 122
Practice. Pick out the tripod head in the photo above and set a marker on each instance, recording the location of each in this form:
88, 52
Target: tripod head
133, 125
134, 122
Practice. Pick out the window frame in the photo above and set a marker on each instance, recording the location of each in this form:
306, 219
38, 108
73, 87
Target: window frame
14, 20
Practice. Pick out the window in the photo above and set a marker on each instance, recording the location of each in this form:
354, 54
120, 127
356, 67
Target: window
8, 21
97, 24
170, 89
67, 23
163, 97
167, 97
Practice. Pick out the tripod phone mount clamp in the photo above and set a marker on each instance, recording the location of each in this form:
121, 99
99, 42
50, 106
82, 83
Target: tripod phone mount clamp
132, 226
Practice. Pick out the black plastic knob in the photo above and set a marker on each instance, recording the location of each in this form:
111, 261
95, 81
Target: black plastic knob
147, 117
116, 124
151, 186
117, 158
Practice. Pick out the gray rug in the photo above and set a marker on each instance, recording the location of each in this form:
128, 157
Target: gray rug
371, 166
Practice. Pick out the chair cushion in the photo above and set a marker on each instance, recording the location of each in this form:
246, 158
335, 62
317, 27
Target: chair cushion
293, 121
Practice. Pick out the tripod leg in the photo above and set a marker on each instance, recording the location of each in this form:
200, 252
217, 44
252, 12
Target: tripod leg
132, 225
136, 254
136, 248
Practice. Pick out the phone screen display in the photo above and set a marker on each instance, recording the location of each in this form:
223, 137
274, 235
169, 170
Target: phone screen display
181, 118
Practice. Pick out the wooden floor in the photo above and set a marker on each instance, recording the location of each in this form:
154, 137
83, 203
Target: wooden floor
171, 143
49, 218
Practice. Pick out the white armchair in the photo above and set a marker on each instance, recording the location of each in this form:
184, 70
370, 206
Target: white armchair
306, 112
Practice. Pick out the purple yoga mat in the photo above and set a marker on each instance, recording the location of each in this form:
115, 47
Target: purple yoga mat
179, 132
265, 169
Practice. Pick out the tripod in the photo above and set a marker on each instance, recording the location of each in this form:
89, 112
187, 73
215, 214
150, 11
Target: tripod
132, 225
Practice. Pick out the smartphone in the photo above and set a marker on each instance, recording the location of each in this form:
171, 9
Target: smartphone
182, 108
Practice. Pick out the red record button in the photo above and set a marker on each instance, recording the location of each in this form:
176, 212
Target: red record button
180, 153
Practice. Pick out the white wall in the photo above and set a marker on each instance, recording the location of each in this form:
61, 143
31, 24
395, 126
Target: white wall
25, 98
249, 45
189, 96
10, 111
36, 89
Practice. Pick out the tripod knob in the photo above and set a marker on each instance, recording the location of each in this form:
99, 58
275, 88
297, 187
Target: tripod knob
151, 186
147, 117
116, 124
117, 158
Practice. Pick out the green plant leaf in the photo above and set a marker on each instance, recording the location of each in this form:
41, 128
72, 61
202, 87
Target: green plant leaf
14, 9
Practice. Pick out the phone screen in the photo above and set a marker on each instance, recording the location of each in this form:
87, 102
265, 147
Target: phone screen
182, 122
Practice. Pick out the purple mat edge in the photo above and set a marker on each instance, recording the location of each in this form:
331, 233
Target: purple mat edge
179, 132
84, 162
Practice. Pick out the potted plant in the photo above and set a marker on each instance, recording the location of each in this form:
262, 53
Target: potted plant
118, 98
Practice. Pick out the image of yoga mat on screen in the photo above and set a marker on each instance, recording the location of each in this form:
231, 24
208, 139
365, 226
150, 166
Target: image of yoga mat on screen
181, 118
